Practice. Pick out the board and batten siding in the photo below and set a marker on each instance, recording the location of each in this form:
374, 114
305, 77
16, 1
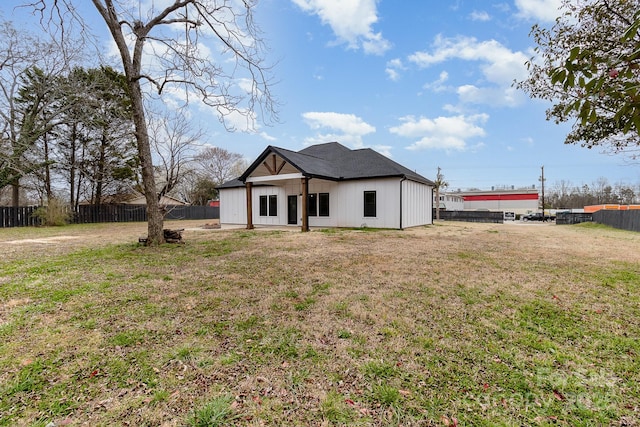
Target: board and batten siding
281, 217
346, 203
323, 186
417, 204
350, 203
233, 205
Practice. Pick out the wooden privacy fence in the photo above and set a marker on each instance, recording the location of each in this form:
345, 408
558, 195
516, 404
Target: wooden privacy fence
86, 214
626, 220
133, 213
21, 216
567, 218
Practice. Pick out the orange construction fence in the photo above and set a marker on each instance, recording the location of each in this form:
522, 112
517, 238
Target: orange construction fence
595, 208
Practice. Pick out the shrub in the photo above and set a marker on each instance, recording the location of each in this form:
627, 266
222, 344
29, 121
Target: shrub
54, 214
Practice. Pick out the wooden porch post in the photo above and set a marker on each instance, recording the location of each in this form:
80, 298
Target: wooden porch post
249, 207
305, 209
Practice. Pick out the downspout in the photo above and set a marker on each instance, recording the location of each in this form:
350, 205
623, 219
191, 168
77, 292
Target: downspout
404, 178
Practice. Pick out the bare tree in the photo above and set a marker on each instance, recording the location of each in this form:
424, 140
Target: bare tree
175, 37
219, 164
174, 141
563, 194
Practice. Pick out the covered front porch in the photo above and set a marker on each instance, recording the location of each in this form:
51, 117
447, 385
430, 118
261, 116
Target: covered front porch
274, 192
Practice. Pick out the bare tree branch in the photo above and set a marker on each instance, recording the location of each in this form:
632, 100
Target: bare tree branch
185, 44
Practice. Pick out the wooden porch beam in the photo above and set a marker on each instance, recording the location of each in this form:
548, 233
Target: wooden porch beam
305, 208
249, 206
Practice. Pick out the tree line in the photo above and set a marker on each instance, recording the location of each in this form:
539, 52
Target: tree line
67, 133
565, 195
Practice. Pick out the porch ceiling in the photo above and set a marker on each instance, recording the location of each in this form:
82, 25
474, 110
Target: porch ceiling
276, 179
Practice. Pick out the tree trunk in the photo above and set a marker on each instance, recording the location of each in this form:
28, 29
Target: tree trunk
47, 169
132, 62
101, 169
155, 218
15, 193
72, 167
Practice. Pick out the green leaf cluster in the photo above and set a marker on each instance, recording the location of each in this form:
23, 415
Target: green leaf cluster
588, 65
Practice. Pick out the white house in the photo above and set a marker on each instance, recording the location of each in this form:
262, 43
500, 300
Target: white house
450, 202
326, 185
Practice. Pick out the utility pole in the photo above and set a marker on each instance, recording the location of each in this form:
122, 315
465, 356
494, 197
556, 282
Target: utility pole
437, 195
542, 184
440, 183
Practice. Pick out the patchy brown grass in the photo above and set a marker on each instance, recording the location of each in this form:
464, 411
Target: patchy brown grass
462, 323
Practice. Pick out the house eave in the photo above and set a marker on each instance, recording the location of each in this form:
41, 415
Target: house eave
269, 178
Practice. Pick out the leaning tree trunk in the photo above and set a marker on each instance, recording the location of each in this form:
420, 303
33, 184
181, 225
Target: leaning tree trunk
132, 63
155, 217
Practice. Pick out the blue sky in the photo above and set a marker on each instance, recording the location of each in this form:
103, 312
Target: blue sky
427, 83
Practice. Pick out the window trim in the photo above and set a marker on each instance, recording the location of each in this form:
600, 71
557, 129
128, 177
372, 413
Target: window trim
321, 212
368, 207
263, 206
273, 205
312, 204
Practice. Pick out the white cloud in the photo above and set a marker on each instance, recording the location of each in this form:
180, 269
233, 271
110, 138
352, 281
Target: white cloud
441, 133
509, 96
385, 150
502, 7
375, 44
347, 123
351, 22
542, 10
438, 85
241, 120
499, 66
454, 109
479, 16
347, 129
395, 63
393, 69
392, 74
267, 137
528, 141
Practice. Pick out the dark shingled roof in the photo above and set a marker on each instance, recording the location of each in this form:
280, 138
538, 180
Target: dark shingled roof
234, 183
335, 162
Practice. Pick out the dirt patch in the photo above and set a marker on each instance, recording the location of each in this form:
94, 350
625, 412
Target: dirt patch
29, 241
49, 240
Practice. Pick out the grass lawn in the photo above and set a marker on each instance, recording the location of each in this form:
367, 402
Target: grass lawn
451, 324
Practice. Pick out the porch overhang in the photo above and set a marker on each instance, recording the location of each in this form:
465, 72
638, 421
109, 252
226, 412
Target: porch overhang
281, 179
270, 178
